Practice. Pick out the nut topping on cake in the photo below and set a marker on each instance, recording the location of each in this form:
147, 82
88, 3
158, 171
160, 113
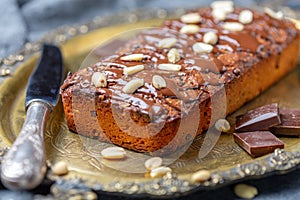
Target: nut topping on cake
133, 57
210, 38
191, 18
190, 29
246, 17
133, 69
167, 42
273, 14
99, 79
169, 67
233, 26
221, 8
219, 14
226, 6
158, 82
173, 55
201, 47
133, 85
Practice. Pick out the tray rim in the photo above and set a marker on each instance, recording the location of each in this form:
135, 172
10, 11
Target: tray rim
281, 161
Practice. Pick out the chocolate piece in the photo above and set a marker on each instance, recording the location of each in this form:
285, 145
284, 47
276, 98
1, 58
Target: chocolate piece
258, 119
258, 143
290, 123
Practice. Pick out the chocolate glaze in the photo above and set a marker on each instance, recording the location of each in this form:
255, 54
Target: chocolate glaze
258, 143
234, 53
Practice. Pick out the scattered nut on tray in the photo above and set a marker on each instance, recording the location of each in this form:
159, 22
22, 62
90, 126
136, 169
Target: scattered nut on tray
60, 168
153, 163
245, 191
113, 153
201, 176
160, 171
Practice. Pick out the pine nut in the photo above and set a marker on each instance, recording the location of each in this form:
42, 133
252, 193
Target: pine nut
167, 42
201, 47
226, 6
201, 176
210, 38
173, 55
219, 14
190, 29
99, 79
5, 72
89, 195
191, 18
233, 26
222, 125
60, 168
160, 171
273, 14
245, 191
158, 82
133, 69
133, 57
133, 85
113, 153
169, 67
153, 163
246, 17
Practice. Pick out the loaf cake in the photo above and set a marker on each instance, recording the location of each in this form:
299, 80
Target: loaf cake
155, 93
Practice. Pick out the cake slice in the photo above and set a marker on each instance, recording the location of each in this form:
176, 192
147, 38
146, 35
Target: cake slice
155, 93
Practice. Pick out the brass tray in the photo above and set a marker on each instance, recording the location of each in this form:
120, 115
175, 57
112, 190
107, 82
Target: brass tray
227, 162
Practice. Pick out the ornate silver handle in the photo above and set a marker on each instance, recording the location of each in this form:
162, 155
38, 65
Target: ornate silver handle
23, 166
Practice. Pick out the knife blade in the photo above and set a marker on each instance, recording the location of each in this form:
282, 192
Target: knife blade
45, 81
23, 166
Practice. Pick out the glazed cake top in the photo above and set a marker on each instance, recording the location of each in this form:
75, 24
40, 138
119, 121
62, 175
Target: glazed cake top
194, 55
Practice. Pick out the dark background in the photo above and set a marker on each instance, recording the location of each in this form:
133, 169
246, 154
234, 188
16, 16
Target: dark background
23, 21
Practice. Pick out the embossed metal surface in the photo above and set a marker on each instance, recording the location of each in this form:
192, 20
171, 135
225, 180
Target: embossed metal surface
227, 161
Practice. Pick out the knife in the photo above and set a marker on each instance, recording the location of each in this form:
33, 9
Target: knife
23, 166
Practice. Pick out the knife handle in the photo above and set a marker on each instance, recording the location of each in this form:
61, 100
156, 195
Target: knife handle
24, 166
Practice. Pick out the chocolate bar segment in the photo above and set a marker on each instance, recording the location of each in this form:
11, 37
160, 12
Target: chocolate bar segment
290, 123
258, 143
258, 119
